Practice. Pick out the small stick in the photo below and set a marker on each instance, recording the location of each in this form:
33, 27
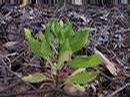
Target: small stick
110, 65
119, 90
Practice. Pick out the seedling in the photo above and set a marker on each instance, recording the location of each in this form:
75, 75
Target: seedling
56, 45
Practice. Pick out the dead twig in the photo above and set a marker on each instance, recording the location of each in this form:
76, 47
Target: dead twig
119, 90
110, 65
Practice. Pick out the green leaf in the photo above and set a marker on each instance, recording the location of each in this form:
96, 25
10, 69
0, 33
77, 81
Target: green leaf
50, 37
79, 39
85, 61
59, 30
81, 78
61, 23
34, 78
56, 28
64, 53
62, 30
68, 30
39, 46
33, 43
48, 33
45, 49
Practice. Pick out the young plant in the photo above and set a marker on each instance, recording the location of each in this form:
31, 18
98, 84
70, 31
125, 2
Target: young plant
56, 45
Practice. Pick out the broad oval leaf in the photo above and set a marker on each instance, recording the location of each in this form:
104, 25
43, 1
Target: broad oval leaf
45, 49
38, 46
68, 30
34, 78
33, 43
62, 30
81, 78
48, 33
85, 61
56, 28
64, 53
78, 40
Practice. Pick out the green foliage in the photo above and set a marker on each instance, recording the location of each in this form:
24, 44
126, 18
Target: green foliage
81, 78
34, 78
61, 37
39, 46
33, 43
64, 54
85, 61
45, 49
78, 40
